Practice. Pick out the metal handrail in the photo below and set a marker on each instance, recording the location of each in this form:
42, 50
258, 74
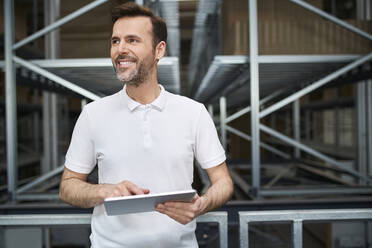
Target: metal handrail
297, 217
219, 217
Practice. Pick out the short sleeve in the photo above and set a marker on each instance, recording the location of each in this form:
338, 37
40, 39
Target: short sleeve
80, 155
208, 149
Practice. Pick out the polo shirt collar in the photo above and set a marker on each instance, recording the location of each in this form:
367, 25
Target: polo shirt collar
158, 103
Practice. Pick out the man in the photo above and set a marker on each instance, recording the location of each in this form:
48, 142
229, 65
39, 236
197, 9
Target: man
143, 139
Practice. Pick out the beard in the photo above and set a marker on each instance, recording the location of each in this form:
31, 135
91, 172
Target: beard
139, 74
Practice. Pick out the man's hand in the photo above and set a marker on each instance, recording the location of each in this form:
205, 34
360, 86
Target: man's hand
183, 212
123, 188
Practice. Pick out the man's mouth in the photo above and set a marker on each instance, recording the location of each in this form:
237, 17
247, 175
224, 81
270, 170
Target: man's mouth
125, 62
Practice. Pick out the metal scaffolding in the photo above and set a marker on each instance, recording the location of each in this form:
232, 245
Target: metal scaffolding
230, 78
76, 75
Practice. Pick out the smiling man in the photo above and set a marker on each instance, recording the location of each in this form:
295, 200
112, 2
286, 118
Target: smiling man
143, 139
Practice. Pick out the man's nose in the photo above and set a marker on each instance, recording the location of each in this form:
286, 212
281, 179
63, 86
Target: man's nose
123, 47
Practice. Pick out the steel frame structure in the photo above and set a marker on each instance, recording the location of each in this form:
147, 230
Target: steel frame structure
256, 114
45, 220
12, 61
297, 218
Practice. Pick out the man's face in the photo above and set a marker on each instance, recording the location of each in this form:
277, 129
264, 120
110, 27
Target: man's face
132, 52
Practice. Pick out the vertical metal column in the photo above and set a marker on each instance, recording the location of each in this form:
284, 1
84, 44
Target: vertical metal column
223, 121
210, 110
255, 96
296, 126
297, 233
11, 102
54, 53
368, 16
362, 108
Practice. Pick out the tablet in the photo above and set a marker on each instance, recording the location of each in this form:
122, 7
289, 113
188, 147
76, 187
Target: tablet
144, 203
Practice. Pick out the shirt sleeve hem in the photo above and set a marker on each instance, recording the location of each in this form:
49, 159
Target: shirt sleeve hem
213, 162
77, 167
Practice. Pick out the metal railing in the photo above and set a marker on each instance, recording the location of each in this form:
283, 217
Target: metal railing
42, 220
297, 217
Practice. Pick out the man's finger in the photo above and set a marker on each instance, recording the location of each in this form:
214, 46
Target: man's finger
177, 217
132, 188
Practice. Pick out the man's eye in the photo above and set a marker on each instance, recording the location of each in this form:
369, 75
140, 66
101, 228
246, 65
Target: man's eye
115, 41
132, 41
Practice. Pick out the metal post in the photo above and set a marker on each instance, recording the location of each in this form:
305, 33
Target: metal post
223, 121
255, 96
244, 232
54, 53
11, 102
296, 125
297, 233
369, 128
210, 110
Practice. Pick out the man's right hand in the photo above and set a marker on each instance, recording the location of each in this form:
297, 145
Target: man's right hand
124, 188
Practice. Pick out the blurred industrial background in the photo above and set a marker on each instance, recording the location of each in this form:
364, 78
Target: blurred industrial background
287, 82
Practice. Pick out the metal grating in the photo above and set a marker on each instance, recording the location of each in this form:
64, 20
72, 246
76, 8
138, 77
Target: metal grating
276, 72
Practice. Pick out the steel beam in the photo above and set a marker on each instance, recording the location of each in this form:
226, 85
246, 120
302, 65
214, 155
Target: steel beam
11, 102
296, 125
315, 85
223, 122
297, 233
56, 78
361, 131
313, 152
59, 23
332, 18
263, 145
255, 95
369, 128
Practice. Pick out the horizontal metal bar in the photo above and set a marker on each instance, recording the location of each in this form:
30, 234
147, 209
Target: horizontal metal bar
263, 145
315, 191
273, 59
38, 197
56, 79
306, 215
332, 18
92, 62
59, 23
289, 59
45, 219
315, 85
312, 152
85, 219
40, 179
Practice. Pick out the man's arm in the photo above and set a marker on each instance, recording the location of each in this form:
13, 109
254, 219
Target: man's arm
75, 190
218, 193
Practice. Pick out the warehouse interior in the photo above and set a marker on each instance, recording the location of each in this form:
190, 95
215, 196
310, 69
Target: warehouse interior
288, 84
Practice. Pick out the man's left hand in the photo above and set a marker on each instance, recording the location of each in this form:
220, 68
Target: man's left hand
183, 212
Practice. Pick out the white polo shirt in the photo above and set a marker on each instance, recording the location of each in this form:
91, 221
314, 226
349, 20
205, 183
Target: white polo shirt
154, 147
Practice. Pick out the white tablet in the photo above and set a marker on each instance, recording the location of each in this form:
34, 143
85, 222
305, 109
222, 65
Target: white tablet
144, 203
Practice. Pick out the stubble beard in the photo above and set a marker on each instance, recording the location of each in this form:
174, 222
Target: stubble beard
136, 76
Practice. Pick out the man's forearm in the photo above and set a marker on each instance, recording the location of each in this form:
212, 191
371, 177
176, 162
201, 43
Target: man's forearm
219, 193
79, 193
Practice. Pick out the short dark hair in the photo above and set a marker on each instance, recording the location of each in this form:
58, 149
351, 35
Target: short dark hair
130, 9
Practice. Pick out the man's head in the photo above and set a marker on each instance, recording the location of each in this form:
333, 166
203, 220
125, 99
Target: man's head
137, 43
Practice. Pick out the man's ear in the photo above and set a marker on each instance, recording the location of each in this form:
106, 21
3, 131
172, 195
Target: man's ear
160, 50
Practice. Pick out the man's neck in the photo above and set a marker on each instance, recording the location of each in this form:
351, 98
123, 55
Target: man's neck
145, 93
